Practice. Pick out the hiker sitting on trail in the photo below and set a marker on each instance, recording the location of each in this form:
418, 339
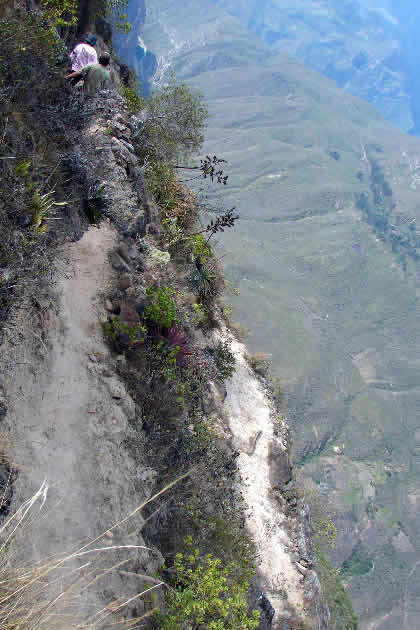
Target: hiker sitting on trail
84, 54
94, 75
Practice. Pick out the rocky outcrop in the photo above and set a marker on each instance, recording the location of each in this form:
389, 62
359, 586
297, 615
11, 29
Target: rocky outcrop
103, 164
290, 589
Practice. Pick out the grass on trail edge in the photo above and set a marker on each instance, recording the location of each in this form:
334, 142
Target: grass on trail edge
51, 594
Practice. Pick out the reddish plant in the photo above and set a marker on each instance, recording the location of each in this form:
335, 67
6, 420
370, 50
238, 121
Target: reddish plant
178, 339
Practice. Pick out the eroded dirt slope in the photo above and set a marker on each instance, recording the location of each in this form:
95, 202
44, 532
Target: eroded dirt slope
68, 415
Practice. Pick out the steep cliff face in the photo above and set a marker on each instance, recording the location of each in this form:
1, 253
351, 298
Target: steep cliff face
133, 49
282, 532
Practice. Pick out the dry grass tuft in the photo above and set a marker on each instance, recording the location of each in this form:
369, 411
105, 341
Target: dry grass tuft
57, 592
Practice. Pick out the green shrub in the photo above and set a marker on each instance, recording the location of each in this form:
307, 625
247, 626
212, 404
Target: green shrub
134, 334
206, 280
162, 310
22, 168
60, 12
208, 595
161, 182
132, 97
174, 125
225, 360
43, 209
117, 9
199, 246
30, 51
199, 315
260, 363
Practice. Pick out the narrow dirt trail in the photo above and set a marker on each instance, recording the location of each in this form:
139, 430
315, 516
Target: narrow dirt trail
69, 415
251, 423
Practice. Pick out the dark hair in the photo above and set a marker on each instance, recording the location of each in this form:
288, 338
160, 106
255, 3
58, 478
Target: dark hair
104, 59
91, 39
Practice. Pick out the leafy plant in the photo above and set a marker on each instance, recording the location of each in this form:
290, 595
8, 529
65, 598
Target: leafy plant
60, 12
199, 247
208, 168
22, 168
162, 310
208, 595
29, 53
178, 340
176, 201
225, 360
225, 220
205, 279
132, 97
174, 125
117, 331
117, 9
260, 363
199, 315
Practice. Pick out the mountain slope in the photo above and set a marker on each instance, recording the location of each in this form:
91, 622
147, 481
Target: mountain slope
351, 42
329, 289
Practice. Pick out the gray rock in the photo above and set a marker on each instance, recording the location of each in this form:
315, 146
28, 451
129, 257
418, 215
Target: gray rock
316, 606
125, 281
302, 570
127, 145
125, 253
118, 263
123, 199
116, 388
118, 126
280, 466
3, 407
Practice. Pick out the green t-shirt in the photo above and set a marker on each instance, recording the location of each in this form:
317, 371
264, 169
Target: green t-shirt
94, 76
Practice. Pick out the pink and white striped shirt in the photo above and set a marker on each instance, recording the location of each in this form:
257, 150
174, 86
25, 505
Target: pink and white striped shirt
83, 55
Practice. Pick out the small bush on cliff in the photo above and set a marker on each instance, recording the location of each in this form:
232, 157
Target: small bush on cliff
175, 121
131, 95
225, 360
123, 335
208, 595
162, 309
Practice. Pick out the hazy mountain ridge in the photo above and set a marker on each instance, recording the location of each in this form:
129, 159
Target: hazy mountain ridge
366, 46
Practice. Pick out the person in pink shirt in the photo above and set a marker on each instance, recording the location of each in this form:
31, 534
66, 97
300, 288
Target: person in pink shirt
84, 54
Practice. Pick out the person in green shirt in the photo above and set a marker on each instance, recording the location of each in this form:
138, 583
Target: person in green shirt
94, 75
